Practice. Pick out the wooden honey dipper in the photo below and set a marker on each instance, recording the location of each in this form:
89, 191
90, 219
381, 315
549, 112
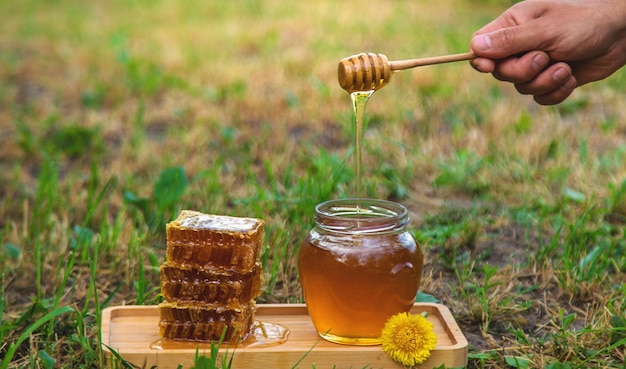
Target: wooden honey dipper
369, 71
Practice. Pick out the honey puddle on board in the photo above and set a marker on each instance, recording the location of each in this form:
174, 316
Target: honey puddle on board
262, 334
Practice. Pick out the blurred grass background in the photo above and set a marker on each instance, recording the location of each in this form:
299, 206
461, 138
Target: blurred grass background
116, 115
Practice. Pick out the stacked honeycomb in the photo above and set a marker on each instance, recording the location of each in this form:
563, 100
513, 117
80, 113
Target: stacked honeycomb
211, 277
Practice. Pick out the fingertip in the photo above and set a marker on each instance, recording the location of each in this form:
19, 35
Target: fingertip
483, 65
539, 61
570, 84
481, 42
561, 75
559, 95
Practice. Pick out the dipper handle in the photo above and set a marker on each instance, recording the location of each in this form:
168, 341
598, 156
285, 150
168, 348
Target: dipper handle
412, 63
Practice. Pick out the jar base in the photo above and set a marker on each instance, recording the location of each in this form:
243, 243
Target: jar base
351, 341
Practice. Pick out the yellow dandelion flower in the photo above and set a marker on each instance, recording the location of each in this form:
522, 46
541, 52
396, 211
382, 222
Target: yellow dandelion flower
408, 338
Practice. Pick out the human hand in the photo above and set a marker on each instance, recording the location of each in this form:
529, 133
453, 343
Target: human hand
548, 48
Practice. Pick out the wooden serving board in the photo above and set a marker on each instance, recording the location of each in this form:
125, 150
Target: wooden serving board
132, 331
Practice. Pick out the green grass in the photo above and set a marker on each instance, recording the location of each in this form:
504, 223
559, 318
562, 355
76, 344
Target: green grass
114, 117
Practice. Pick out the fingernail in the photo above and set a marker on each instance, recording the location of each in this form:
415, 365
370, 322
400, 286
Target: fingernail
570, 84
560, 75
539, 62
477, 67
482, 42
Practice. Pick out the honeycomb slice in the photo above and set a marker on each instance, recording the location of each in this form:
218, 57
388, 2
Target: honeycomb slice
210, 285
205, 323
218, 241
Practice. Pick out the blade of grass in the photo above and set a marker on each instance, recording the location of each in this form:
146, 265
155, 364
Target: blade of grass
41, 321
120, 361
2, 301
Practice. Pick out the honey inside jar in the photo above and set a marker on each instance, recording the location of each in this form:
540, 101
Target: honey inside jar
357, 269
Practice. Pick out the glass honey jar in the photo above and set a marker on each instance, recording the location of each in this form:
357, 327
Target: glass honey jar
358, 266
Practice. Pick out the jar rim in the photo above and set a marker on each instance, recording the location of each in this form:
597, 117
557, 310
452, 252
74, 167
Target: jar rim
361, 215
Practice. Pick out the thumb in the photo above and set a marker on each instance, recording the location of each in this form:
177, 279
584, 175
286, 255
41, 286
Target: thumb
507, 41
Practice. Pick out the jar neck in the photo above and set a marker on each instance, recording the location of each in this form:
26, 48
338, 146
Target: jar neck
361, 216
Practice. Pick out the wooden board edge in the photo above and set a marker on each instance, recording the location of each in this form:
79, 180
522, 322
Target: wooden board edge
319, 359
451, 326
105, 328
